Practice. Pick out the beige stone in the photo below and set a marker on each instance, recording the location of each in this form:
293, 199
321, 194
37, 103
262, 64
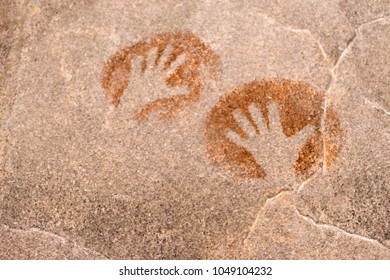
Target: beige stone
87, 177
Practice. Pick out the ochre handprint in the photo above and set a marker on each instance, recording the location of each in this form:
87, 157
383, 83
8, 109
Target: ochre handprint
268, 144
200, 65
270, 128
148, 78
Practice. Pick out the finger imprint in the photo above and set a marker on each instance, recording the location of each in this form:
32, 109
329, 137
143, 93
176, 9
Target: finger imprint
181, 90
303, 134
274, 120
136, 66
258, 117
244, 123
236, 139
176, 64
165, 57
150, 63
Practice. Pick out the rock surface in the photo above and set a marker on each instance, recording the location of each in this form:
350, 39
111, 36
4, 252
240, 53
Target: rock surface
108, 108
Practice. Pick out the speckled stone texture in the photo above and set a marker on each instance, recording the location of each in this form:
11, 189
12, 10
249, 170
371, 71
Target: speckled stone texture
83, 177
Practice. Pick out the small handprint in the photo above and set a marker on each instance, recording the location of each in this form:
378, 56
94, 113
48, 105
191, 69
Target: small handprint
270, 147
148, 78
162, 54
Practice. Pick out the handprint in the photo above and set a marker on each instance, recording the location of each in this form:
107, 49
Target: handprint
162, 54
270, 147
148, 78
264, 146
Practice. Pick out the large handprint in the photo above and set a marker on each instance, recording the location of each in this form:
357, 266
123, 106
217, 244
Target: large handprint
270, 147
148, 78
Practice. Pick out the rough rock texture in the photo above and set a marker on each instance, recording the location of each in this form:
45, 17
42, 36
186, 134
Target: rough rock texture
37, 244
83, 177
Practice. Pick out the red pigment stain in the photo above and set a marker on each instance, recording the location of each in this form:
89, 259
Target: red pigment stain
300, 105
201, 63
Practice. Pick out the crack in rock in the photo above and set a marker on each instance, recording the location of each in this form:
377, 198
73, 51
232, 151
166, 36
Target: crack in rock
275, 198
267, 202
376, 106
304, 217
335, 228
53, 235
272, 20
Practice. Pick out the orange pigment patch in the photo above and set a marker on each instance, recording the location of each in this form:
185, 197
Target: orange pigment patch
299, 104
332, 136
199, 57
